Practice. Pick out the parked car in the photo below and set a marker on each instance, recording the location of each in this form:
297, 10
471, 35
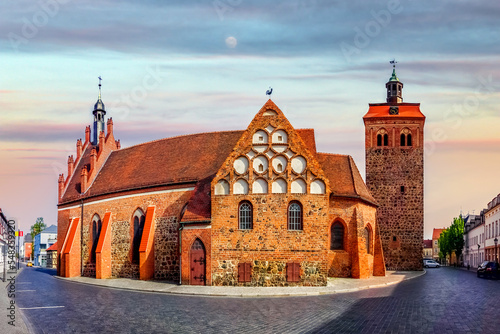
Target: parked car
29, 264
431, 264
489, 269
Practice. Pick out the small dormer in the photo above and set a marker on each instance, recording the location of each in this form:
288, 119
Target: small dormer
394, 87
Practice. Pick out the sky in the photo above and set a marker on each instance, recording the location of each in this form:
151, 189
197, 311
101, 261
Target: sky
183, 67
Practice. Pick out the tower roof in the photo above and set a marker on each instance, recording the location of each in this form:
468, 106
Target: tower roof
394, 77
404, 110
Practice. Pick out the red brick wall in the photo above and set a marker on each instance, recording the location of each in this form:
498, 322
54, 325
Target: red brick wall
270, 244
188, 237
168, 206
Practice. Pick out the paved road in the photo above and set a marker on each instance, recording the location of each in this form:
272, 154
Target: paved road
445, 300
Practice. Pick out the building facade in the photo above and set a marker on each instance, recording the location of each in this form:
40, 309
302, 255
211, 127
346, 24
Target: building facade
28, 248
427, 245
44, 240
394, 147
491, 233
436, 233
52, 256
258, 207
474, 239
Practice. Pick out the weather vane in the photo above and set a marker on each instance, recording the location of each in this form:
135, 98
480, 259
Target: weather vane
393, 62
99, 86
269, 91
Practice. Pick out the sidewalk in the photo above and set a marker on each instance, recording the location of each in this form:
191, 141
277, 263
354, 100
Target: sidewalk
5, 303
335, 285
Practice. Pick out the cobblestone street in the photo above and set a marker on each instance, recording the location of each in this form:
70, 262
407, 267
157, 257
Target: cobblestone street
437, 302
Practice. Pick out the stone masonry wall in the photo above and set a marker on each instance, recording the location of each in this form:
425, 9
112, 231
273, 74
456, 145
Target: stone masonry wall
400, 215
121, 264
168, 204
166, 249
269, 273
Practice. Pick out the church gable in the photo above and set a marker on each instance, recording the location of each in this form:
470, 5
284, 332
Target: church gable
271, 157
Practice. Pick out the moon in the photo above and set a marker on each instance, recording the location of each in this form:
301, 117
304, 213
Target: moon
231, 42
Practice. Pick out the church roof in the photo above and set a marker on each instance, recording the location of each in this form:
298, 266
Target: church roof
344, 176
405, 110
195, 159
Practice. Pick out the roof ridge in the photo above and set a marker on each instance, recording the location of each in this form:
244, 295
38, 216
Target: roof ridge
174, 137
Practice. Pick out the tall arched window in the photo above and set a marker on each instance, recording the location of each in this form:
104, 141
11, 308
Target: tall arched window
379, 140
403, 140
295, 216
386, 139
337, 236
245, 216
139, 219
96, 231
408, 140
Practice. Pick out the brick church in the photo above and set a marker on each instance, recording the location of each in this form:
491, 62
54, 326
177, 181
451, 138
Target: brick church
256, 207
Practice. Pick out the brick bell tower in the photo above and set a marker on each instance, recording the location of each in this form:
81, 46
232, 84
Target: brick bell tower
394, 148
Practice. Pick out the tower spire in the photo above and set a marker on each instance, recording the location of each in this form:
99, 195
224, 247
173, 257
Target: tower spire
99, 113
100, 79
394, 86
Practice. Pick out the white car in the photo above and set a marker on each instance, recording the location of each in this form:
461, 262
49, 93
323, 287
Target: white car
431, 264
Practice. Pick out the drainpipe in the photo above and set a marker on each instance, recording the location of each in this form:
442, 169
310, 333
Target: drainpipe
180, 253
81, 238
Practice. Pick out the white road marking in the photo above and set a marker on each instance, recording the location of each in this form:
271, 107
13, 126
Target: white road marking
35, 308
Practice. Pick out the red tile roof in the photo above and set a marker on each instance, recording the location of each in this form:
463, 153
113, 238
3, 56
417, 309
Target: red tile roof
437, 232
53, 247
344, 176
427, 243
406, 110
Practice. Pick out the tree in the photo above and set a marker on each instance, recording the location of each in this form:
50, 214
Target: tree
36, 228
452, 239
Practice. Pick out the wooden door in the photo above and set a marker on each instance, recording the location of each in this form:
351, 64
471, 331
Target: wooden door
197, 263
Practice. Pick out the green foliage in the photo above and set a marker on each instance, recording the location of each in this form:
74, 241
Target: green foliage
36, 228
452, 239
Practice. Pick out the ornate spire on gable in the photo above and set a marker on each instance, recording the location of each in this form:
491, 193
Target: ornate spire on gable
99, 113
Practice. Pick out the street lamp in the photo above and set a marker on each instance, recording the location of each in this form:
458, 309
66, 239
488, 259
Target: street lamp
496, 243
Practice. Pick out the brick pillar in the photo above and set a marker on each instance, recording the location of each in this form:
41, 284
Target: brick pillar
146, 250
103, 251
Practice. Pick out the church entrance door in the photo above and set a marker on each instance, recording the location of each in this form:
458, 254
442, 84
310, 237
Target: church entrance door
198, 263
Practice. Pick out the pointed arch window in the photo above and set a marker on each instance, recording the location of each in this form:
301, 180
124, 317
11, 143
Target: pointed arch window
368, 240
138, 225
337, 236
245, 216
96, 231
379, 140
386, 140
295, 216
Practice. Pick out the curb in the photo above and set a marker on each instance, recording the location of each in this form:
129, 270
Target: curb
218, 294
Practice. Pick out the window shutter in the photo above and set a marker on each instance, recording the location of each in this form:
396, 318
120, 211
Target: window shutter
248, 272
244, 272
293, 272
241, 272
